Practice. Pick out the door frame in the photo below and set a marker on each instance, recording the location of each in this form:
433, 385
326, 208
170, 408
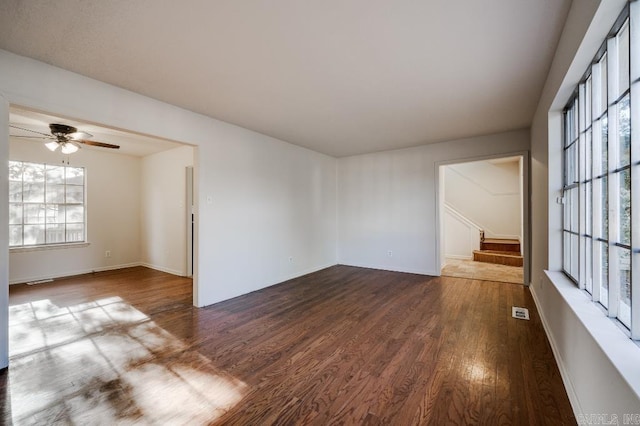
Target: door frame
525, 184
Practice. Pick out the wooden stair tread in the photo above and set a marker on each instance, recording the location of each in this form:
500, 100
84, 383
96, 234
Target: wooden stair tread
499, 252
500, 241
498, 257
501, 245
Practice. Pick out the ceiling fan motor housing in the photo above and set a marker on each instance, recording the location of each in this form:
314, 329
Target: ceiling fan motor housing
61, 129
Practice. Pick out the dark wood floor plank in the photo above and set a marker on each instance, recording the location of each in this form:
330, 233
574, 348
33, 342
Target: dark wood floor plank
344, 345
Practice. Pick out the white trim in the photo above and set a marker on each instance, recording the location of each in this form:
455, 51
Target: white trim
449, 208
74, 273
394, 269
621, 351
24, 249
301, 273
566, 377
525, 243
457, 256
488, 233
163, 269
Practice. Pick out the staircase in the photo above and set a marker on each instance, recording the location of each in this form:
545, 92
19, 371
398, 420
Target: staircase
499, 251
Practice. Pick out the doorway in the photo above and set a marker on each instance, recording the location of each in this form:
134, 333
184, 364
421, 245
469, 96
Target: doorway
482, 219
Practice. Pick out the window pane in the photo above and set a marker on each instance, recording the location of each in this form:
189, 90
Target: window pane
574, 257
75, 175
15, 214
574, 210
604, 274
624, 132
55, 175
75, 194
15, 235
603, 84
15, 171
588, 281
625, 207
33, 192
55, 233
566, 253
571, 159
33, 172
604, 225
624, 307
623, 59
55, 193
33, 234
15, 192
588, 215
55, 214
587, 153
34, 213
569, 127
75, 232
604, 145
75, 214
587, 103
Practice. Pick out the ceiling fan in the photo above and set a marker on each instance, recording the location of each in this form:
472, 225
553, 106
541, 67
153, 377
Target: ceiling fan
64, 136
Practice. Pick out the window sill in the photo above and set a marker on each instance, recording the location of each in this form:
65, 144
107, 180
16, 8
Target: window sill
623, 352
48, 247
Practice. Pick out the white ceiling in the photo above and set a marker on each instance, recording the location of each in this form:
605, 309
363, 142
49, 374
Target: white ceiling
340, 77
130, 144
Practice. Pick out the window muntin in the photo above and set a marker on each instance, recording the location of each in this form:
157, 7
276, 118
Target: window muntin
46, 204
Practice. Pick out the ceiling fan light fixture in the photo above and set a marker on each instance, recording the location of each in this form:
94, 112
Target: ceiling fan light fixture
79, 135
53, 145
69, 148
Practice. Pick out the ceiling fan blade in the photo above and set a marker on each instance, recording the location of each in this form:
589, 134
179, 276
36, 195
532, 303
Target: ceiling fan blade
100, 144
32, 137
13, 126
75, 136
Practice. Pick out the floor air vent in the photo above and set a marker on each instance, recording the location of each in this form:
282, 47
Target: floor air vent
520, 313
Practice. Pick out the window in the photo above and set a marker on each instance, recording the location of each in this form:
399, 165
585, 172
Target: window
46, 204
601, 227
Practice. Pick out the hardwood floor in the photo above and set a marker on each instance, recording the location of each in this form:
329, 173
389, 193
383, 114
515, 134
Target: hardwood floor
341, 346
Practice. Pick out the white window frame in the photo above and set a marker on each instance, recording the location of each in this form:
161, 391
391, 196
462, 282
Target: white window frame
54, 244
584, 112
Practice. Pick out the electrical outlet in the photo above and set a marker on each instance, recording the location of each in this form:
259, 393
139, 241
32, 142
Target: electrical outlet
390, 253
107, 253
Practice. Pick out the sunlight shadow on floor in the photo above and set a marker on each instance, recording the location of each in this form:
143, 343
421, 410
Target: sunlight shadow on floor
105, 362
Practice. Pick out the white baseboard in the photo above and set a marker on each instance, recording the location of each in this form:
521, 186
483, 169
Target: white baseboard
394, 269
72, 273
301, 273
566, 379
163, 269
458, 256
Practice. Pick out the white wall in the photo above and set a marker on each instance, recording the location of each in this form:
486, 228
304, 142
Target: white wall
387, 201
595, 383
488, 194
163, 210
461, 236
113, 215
269, 199
264, 201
